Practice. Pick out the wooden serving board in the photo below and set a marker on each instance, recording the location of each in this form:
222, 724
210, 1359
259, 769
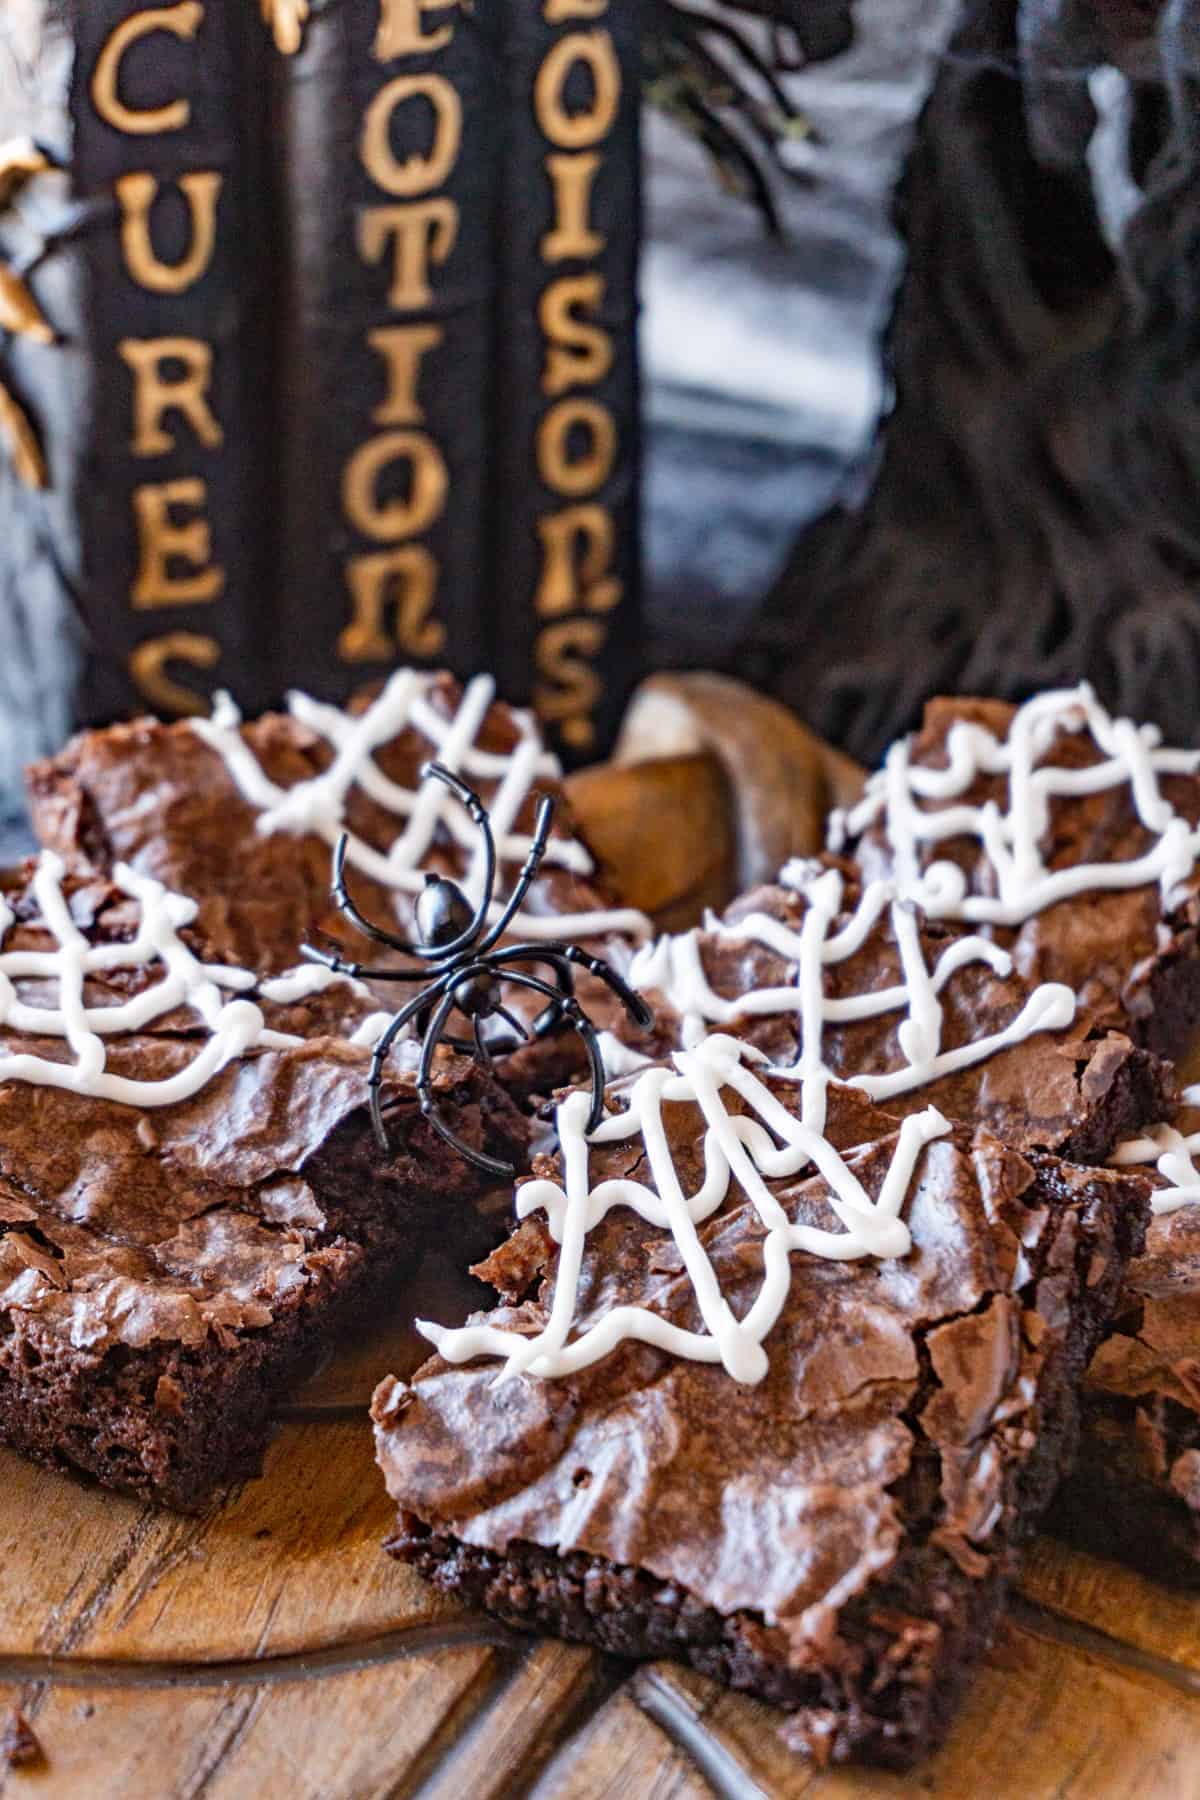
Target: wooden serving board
270, 1648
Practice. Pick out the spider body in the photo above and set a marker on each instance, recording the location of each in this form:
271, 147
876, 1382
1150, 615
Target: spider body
461, 971
443, 912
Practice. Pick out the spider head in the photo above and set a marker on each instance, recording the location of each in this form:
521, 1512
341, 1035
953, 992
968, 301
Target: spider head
442, 912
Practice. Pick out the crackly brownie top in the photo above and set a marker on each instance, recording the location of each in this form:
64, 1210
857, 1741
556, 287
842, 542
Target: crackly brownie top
179, 1149
826, 972
900, 1397
244, 815
1151, 1353
1067, 833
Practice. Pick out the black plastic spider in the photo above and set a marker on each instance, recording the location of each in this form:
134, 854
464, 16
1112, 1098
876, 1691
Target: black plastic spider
463, 973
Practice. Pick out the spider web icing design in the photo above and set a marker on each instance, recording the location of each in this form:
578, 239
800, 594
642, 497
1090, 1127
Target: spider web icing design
319, 805
741, 1146
217, 993
674, 967
1173, 1154
1133, 756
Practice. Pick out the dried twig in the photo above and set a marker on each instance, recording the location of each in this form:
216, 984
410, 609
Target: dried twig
19, 311
20, 159
20, 440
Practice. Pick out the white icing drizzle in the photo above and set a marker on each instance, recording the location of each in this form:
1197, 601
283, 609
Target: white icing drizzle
674, 967
1173, 1154
768, 1142
745, 1147
215, 992
319, 805
1131, 755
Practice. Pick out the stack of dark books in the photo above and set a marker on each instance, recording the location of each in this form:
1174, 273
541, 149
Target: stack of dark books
323, 355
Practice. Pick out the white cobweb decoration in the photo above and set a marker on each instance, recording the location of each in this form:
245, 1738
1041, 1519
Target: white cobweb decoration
919, 806
217, 994
319, 804
766, 1143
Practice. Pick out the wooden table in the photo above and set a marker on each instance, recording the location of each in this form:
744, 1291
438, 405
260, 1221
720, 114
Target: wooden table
270, 1648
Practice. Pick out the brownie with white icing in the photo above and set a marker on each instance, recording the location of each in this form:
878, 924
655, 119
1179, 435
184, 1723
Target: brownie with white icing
244, 816
192, 1199
790, 1427
1068, 836
826, 973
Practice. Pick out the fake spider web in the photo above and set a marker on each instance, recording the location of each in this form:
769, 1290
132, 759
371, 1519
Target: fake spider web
1131, 756
674, 967
748, 1148
426, 812
768, 1143
217, 994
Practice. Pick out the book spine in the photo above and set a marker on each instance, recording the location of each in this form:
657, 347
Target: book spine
385, 160
565, 564
168, 137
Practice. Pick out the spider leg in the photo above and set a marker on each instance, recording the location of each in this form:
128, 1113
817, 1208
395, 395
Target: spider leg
518, 1025
330, 959
548, 1021
571, 1010
591, 1044
554, 955
436, 771
482, 1053
504, 1046
632, 1001
489, 1164
550, 1017
418, 1004
524, 881
341, 899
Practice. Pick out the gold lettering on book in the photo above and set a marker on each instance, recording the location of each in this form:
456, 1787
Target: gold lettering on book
571, 235
577, 98
287, 19
569, 689
405, 577
400, 32
396, 485
402, 348
402, 516
576, 447
182, 21
136, 195
417, 174
581, 130
577, 552
156, 392
425, 232
163, 539
579, 354
172, 373
148, 667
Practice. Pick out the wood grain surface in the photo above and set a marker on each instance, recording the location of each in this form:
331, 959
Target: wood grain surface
270, 1648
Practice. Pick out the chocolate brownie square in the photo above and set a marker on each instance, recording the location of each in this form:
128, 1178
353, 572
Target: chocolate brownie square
798, 1438
243, 816
1136, 1490
1069, 836
822, 972
192, 1199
